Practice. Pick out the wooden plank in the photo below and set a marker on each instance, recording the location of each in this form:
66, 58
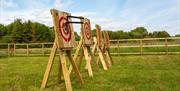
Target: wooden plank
74, 66
49, 66
59, 71
94, 46
27, 46
88, 61
65, 70
108, 52
14, 49
147, 39
166, 45
92, 57
8, 49
141, 47
108, 58
80, 58
43, 49
102, 58
76, 54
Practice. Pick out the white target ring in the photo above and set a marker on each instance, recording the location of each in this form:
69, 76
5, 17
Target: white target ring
87, 30
64, 28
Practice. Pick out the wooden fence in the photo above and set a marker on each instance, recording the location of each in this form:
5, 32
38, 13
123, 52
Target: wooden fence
170, 45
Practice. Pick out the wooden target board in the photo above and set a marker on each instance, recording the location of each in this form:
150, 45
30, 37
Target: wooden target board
63, 30
86, 31
99, 35
106, 39
63, 43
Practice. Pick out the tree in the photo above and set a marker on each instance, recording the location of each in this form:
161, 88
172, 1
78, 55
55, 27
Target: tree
94, 32
17, 31
139, 32
160, 34
2, 30
26, 32
77, 37
177, 35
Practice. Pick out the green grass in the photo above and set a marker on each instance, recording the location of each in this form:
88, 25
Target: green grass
129, 73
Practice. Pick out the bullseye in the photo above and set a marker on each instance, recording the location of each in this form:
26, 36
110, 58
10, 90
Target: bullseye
64, 28
87, 30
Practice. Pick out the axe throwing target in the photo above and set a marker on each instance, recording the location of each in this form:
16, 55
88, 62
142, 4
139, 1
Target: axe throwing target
64, 32
99, 35
86, 30
107, 42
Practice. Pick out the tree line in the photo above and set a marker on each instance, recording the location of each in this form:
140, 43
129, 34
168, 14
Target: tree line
33, 32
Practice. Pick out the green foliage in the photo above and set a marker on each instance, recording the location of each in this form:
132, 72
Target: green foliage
94, 32
160, 34
177, 35
3, 30
28, 32
77, 37
139, 32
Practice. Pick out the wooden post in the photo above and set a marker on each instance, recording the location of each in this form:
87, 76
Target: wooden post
49, 66
8, 49
43, 49
141, 47
88, 61
101, 56
27, 51
119, 47
14, 49
65, 70
76, 54
166, 45
74, 66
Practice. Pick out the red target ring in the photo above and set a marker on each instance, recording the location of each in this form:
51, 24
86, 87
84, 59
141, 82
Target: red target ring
87, 30
64, 28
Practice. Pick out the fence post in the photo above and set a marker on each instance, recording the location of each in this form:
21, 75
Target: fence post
166, 45
141, 47
27, 46
8, 49
118, 47
43, 49
14, 49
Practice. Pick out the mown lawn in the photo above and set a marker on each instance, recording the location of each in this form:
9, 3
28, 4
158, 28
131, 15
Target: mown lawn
129, 73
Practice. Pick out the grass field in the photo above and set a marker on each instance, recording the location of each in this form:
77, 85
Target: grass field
129, 73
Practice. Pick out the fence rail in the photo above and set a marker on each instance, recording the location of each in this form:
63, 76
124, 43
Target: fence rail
170, 45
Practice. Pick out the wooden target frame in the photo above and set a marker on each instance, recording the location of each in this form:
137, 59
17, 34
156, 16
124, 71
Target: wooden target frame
106, 46
99, 35
64, 46
106, 39
84, 46
98, 46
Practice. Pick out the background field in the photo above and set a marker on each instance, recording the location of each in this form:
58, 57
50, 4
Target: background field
129, 73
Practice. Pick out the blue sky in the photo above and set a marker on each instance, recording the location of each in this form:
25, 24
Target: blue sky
126, 15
